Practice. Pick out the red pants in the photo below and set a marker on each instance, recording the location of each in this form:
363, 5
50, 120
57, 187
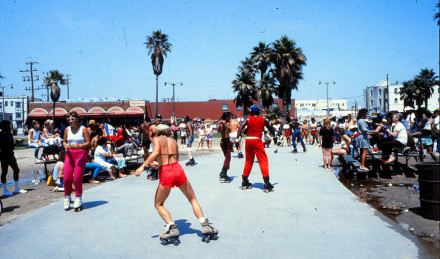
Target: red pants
74, 168
255, 147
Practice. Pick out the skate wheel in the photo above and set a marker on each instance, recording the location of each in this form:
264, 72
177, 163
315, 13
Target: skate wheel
214, 237
203, 239
207, 239
164, 242
176, 242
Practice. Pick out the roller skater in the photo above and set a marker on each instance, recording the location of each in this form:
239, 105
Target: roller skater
190, 134
225, 145
77, 204
209, 233
171, 235
234, 125
166, 156
154, 174
254, 145
245, 184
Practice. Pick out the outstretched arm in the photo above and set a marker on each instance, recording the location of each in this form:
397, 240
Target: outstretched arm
150, 158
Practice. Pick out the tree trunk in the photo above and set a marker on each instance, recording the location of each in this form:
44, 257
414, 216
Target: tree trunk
157, 95
53, 114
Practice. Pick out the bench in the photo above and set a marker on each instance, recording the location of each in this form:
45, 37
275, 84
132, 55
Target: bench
353, 164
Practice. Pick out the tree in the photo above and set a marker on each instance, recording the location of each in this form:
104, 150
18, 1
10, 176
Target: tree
274, 114
266, 89
425, 81
437, 14
259, 58
158, 46
288, 61
407, 94
245, 86
52, 79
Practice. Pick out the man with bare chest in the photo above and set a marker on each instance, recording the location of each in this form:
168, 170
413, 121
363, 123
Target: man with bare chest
234, 125
190, 134
145, 133
225, 145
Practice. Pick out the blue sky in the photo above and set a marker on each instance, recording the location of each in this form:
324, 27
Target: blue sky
100, 44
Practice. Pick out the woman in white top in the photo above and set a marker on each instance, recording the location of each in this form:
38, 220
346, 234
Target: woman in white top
208, 136
102, 152
35, 139
201, 134
48, 135
400, 139
76, 141
182, 128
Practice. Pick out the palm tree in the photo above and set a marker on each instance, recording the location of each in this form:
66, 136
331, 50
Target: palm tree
426, 81
245, 86
247, 64
266, 89
259, 58
437, 14
407, 93
52, 79
274, 114
158, 46
288, 61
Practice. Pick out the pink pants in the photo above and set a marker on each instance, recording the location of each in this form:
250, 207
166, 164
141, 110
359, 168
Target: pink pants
74, 168
255, 147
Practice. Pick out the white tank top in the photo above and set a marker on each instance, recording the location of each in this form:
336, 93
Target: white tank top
427, 126
77, 138
35, 135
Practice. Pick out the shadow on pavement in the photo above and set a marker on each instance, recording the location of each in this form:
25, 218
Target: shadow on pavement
92, 204
10, 208
260, 185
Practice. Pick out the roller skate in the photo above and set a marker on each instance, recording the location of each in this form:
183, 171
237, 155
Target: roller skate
191, 162
245, 184
154, 175
77, 205
67, 201
223, 177
209, 232
295, 151
171, 235
268, 187
305, 150
240, 155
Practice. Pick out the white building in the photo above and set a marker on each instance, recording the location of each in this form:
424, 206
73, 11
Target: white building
321, 104
15, 109
397, 105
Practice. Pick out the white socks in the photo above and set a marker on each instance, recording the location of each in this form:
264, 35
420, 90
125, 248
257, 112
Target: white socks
202, 219
17, 188
5, 190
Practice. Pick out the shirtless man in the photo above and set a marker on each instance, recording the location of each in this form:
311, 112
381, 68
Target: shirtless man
145, 133
234, 124
166, 156
225, 145
190, 134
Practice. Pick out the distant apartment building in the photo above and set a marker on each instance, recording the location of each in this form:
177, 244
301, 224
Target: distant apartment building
15, 110
321, 104
384, 97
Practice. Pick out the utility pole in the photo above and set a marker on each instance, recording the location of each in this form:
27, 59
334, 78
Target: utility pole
174, 103
68, 80
31, 78
3, 100
47, 86
385, 98
328, 112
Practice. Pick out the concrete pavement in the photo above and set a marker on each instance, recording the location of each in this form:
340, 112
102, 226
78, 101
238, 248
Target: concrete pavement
310, 215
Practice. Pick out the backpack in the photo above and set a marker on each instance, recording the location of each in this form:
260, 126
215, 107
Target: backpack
51, 150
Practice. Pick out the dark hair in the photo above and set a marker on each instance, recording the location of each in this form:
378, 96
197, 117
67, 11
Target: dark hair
313, 119
341, 131
102, 141
226, 115
147, 118
73, 114
35, 122
4, 124
166, 133
361, 114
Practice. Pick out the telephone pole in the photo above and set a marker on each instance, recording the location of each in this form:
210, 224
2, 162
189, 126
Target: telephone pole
68, 80
31, 78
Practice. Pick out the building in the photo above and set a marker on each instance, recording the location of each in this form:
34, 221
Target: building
321, 104
15, 110
132, 111
384, 97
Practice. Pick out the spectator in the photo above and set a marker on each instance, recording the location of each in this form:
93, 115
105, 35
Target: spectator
35, 140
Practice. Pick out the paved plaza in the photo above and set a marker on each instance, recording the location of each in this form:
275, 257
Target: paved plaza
309, 215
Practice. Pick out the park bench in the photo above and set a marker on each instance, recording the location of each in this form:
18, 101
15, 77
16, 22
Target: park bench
352, 165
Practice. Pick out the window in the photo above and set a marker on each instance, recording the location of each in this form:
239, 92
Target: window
17, 105
274, 105
240, 108
342, 104
12, 103
380, 91
371, 93
225, 107
396, 90
395, 101
6, 103
380, 102
18, 115
301, 105
371, 102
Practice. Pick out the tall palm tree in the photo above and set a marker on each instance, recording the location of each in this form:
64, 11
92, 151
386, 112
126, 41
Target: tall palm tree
407, 93
266, 88
425, 81
158, 46
52, 79
437, 14
288, 61
259, 57
245, 86
247, 64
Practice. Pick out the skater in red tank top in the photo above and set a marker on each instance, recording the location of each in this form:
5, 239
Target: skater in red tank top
254, 146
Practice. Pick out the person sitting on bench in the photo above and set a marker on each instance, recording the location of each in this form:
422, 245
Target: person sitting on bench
400, 139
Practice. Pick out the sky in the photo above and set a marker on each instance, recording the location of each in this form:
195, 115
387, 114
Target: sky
100, 44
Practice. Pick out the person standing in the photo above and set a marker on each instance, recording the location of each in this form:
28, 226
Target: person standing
363, 141
314, 132
76, 141
7, 158
327, 138
297, 135
208, 135
254, 146
225, 145
234, 125
190, 134
145, 132
166, 156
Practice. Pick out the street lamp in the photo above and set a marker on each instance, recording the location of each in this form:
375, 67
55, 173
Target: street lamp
328, 113
3, 101
174, 104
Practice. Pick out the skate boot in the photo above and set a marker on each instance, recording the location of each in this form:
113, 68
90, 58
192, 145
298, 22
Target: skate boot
240, 155
77, 205
192, 161
245, 184
305, 150
268, 187
209, 232
295, 151
67, 201
171, 235
154, 175
223, 177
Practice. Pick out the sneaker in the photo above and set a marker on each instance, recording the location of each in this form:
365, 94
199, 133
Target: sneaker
67, 200
7, 193
38, 160
19, 190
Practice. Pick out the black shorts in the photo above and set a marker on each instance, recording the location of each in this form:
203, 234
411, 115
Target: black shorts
146, 142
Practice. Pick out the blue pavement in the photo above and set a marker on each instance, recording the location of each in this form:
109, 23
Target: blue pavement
310, 215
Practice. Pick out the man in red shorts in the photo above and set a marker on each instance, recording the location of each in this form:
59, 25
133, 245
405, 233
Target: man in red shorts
171, 174
254, 146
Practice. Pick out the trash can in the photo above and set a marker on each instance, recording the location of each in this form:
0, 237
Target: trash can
429, 186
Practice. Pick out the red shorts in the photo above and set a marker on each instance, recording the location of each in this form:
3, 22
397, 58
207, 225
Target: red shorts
172, 175
287, 133
314, 131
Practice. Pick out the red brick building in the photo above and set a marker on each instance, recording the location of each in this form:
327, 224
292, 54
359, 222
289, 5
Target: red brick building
134, 110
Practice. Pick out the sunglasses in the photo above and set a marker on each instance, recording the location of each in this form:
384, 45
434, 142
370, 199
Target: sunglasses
69, 119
